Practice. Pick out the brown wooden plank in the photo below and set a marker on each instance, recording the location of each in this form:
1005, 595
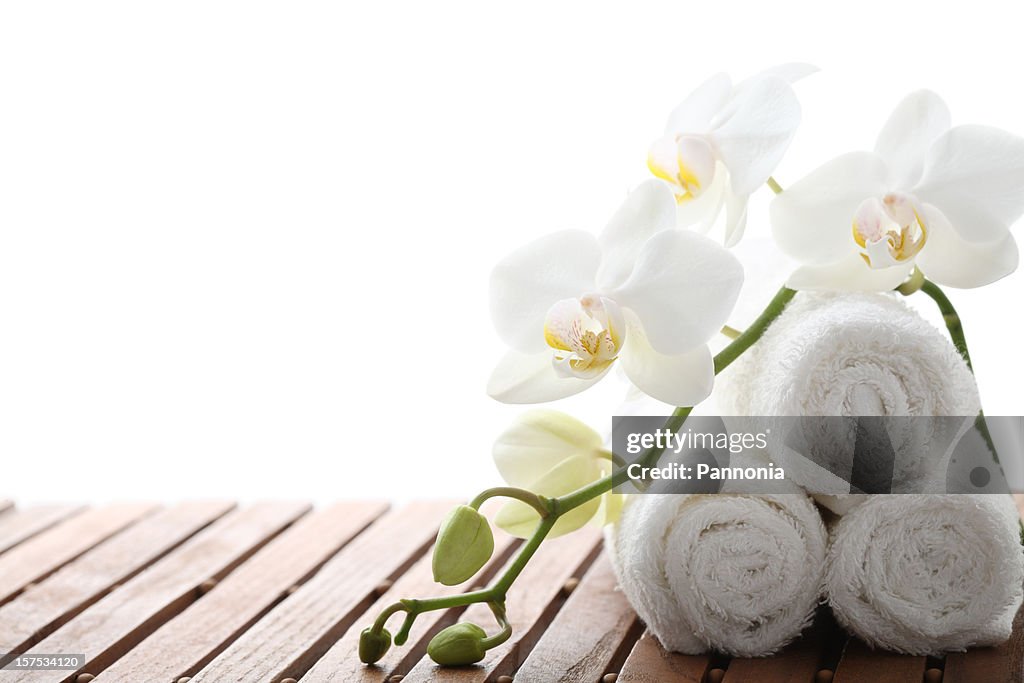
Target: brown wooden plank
589, 636
21, 524
188, 642
649, 662
341, 663
532, 602
48, 551
293, 635
43, 607
996, 664
861, 664
115, 624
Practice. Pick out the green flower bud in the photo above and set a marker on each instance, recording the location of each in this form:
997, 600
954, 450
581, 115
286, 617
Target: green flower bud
373, 646
458, 645
464, 544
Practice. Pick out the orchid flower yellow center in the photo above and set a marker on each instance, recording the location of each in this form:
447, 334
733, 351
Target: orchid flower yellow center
889, 231
586, 335
687, 162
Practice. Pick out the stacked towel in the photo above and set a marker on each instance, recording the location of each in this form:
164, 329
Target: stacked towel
849, 354
920, 574
732, 572
925, 574
852, 354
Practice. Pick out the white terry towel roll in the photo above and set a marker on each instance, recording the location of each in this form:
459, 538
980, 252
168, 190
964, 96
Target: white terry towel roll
925, 574
850, 355
731, 572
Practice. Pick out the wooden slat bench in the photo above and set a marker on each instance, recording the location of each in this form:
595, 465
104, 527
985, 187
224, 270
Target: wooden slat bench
211, 592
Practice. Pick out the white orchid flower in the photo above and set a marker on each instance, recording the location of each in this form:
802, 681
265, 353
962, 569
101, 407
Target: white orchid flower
929, 195
723, 142
646, 294
552, 454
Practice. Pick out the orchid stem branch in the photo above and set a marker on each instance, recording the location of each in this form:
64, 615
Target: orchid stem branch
538, 503
956, 333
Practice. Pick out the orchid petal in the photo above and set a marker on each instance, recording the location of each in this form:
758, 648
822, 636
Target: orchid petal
912, 127
683, 379
735, 217
975, 176
648, 210
753, 134
682, 289
811, 220
950, 260
694, 114
531, 378
527, 282
701, 211
610, 509
850, 274
519, 519
538, 441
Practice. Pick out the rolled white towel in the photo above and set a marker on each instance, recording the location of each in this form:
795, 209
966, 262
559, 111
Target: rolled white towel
925, 574
861, 354
735, 573
849, 354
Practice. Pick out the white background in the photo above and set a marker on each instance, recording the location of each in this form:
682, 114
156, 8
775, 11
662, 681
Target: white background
244, 248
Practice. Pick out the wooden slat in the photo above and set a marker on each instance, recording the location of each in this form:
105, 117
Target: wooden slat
293, 635
48, 551
41, 608
997, 664
189, 641
531, 602
591, 634
115, 624
20, 525
649, 662
341, 663
861, 664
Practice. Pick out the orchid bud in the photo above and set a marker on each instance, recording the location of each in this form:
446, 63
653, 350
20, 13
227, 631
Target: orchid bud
464, 544
458, 645
373, 646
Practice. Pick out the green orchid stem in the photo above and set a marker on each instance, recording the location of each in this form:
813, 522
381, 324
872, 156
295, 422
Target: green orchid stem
498, 609
551, 509
774, 184
539, 503
956, 333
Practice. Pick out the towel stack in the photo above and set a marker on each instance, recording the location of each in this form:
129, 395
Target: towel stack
741, 572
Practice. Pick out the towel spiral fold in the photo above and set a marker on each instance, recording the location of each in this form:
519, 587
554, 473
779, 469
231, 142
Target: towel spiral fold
734, 573
925, 574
